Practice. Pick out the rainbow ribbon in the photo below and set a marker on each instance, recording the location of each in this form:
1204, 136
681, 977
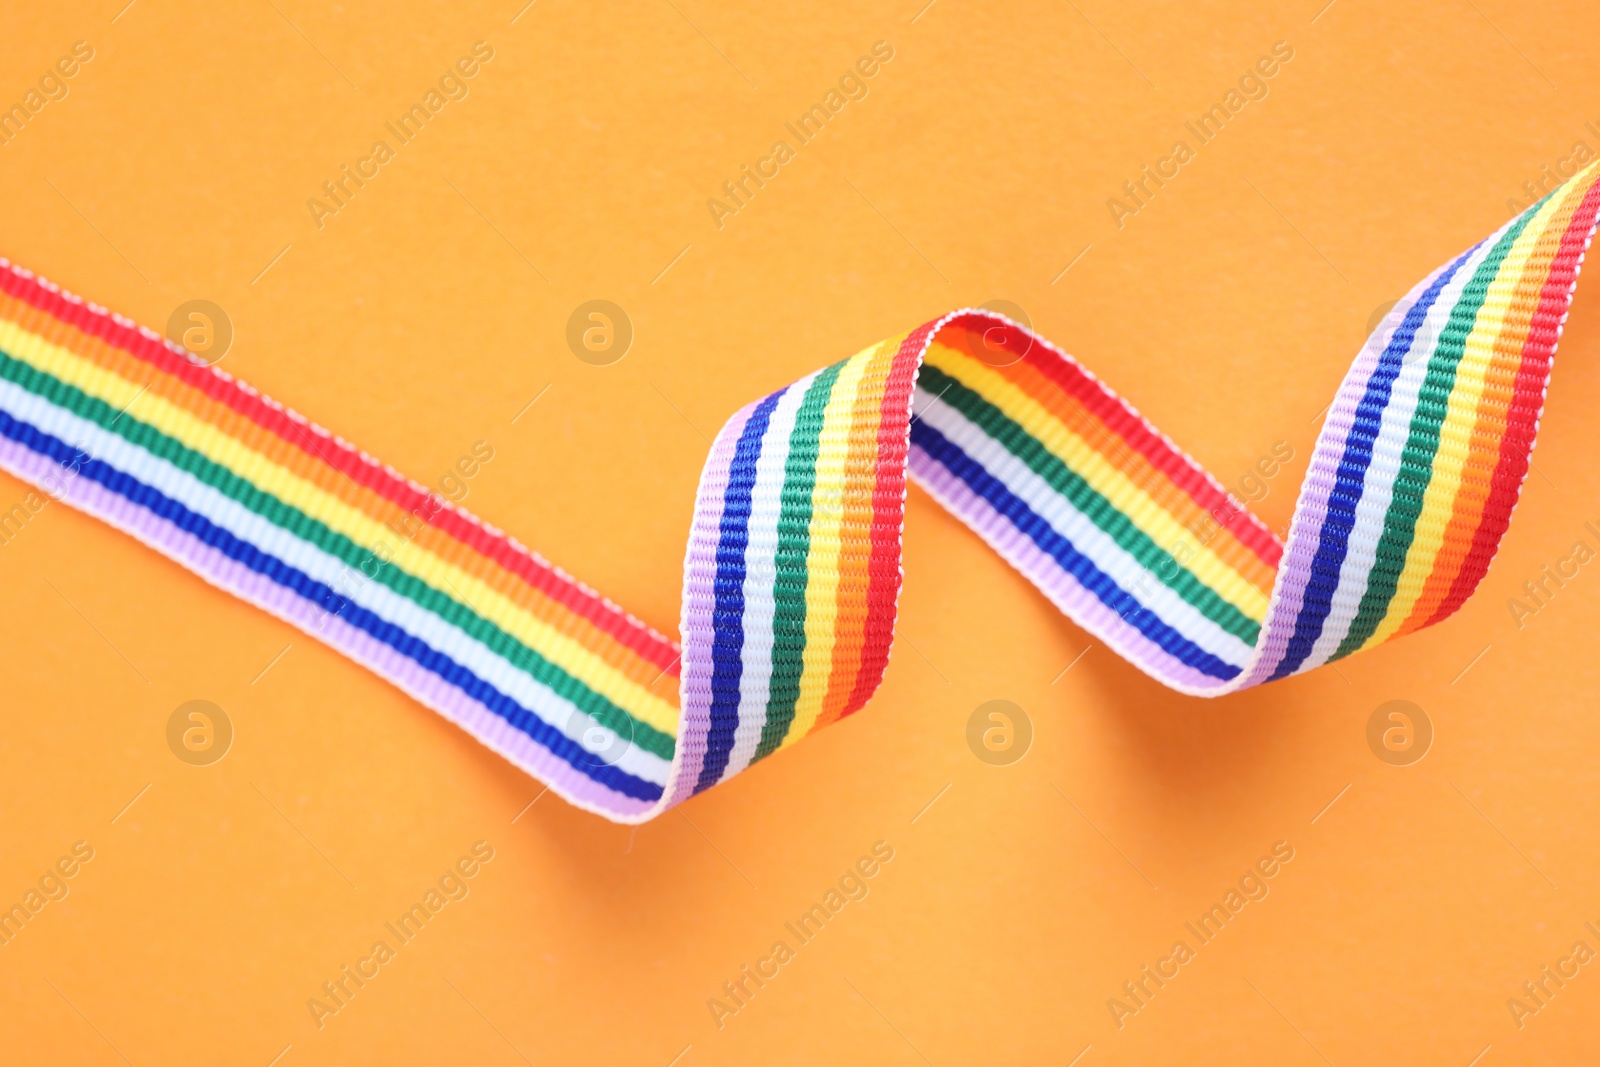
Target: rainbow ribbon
793, 566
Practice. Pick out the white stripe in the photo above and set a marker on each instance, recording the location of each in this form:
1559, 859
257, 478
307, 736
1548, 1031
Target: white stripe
446, 638
1377, 485
761, 572
1111, 558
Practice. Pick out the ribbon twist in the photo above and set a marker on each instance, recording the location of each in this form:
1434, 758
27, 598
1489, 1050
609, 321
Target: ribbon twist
793, 567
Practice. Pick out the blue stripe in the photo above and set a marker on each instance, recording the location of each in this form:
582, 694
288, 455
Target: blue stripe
727, 619
1334, 539
1025, 519
324, 597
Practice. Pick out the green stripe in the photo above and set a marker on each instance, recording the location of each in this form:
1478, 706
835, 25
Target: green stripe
336, 545
1416, 461
794, 549
1104, 514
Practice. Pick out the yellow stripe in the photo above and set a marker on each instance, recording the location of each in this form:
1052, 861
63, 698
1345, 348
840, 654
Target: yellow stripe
206, 439
822, 562
1088, 463
1461, 415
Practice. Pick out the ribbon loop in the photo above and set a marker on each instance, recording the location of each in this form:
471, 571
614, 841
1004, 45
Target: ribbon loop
793, 567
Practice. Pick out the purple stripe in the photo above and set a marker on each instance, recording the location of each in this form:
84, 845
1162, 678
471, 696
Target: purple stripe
698, 611
1311, 511
233, 577
1062, 589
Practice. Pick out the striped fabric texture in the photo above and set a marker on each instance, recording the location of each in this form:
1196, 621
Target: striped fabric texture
793, 567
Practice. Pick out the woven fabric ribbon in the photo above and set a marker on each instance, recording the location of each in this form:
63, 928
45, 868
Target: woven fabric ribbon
793, 567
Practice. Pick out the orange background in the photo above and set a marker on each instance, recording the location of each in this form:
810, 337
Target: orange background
422, 317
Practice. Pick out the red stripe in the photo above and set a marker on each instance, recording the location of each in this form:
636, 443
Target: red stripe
888, 518
1527, 401
319, 444
1115, 413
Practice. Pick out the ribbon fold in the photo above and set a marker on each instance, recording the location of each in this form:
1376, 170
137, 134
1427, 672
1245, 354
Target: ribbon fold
793, 567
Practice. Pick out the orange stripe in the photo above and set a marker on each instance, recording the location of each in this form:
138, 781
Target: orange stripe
1483, 454
1132, 463
855, 532
247, 432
